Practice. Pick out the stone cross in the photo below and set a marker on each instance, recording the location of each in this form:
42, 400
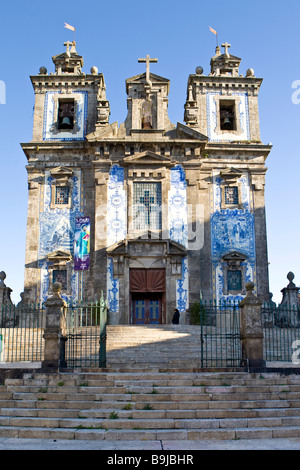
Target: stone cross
68, 44
148, 59
73, 46
226, 46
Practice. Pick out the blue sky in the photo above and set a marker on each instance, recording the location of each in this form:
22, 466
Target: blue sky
113, 35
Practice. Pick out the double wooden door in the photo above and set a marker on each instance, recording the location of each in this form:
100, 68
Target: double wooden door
147, 291
147, 309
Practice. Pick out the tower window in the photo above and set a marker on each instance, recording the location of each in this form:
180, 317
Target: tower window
62, 195
66, 110
231, 195
147, 206
227, 116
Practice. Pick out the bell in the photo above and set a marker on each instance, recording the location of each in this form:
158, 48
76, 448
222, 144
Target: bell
66, 123
227, 124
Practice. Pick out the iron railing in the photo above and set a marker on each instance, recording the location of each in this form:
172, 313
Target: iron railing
281, 325
85, 335
21, 333
220, 334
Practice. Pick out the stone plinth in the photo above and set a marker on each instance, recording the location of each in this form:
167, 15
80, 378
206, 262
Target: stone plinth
251, 329
55, 321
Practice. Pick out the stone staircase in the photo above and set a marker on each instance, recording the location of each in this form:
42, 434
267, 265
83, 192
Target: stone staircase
150, 406
152, 389
163, 347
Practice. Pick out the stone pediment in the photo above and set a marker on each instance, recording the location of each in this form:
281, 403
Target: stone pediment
61, 171
189, 133
230, 175
59, 257
234, 259
147, 158
169, 247
223, 57
142, 77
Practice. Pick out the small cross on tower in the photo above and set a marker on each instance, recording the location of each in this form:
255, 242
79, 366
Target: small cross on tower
68, 44
226, 46
148, 59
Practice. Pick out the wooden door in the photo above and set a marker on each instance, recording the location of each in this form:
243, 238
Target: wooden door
147, 309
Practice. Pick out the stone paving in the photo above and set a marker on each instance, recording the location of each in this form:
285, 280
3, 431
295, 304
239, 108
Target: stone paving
84, 445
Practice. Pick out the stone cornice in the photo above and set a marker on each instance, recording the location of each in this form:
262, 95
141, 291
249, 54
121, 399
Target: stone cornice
219, 81
41, 82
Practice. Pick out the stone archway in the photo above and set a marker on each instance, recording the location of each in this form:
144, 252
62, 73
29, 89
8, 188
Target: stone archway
147, 269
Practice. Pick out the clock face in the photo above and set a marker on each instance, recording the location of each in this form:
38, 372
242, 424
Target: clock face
58, 125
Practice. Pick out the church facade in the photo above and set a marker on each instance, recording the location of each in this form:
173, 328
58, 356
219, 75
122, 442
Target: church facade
154, 214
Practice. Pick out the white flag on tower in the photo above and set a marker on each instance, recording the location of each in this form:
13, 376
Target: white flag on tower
69, 27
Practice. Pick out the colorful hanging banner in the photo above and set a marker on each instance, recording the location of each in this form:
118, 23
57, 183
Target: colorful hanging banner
82, 244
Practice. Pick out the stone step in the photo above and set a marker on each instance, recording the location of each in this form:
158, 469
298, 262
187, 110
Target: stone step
151, 404
148, 423
133, 412
201, 392
151, 434
288, 399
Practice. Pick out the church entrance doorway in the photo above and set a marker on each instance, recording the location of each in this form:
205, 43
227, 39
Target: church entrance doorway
147, 309
147, 296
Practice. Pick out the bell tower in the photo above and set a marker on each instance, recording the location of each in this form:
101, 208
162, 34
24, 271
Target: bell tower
69, 104
224, 104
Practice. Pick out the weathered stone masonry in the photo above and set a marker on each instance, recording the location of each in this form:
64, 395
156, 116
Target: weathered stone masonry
176, 211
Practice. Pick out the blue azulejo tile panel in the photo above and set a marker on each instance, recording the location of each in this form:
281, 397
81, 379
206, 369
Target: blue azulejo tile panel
112, 288
182, 288
177, 207
116, 206
242, 118
57, 229
50, 128
232, 230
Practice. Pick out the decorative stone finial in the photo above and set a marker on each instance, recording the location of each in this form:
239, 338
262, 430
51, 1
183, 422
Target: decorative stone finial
290, 277
249, 286
250, 297
2, 277
94, 70
57, 288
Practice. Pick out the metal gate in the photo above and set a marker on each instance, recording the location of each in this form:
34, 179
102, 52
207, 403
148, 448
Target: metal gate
21, 333
84, 343
220, 335
281, 333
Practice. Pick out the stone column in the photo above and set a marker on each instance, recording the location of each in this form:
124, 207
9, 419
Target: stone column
251, 329
55, 324
289, 309
290, 294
